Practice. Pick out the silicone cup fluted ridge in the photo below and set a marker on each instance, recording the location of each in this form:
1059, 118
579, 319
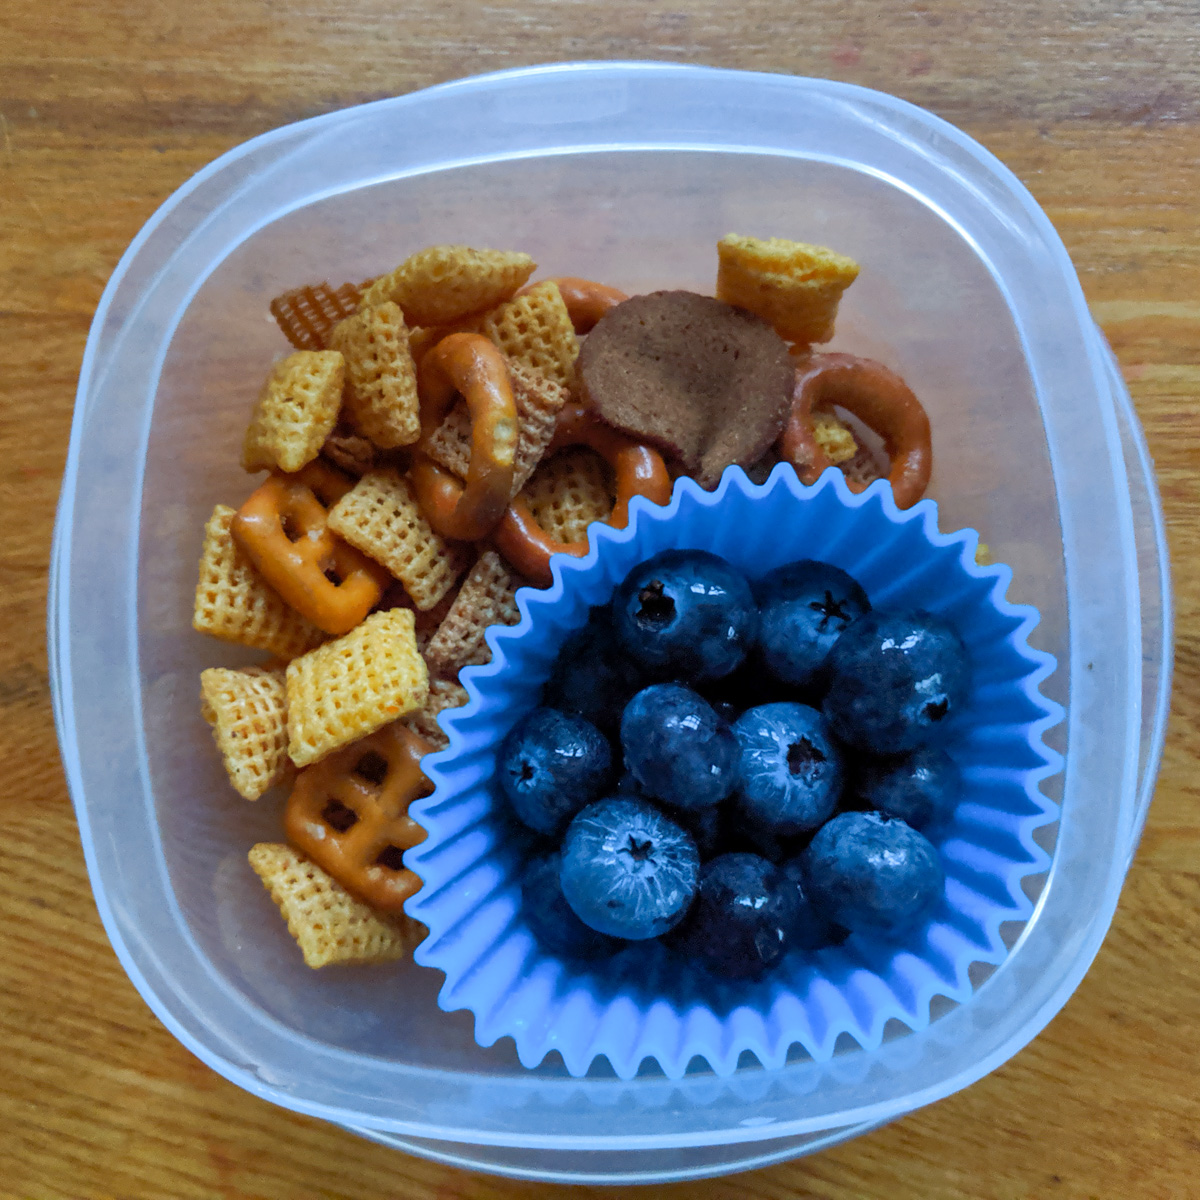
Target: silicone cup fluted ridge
645, 1003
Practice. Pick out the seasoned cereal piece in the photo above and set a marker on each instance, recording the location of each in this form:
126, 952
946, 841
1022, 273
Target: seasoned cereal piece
487, 597
381, 380
348, 451
307, 314
538, 402
380, 517
329, 924
863, 468
424, 337
834, 437
234, 602
441, 284
354, 685
568, 492
443, 694
427, 620
793, 285
535, 328
247, 710
296, 411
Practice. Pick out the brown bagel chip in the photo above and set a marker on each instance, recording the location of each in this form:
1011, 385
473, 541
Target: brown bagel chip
708, 383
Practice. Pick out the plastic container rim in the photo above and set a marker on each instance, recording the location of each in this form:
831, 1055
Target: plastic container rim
59, 621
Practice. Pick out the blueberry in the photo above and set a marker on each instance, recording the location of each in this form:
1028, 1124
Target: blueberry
809, 929
745, 913
627, 870
704, 824
677, 748
551, 765
804, 608
897, 680
922, 788
790, 773
593, 676
686, 614
872, 874
551, 919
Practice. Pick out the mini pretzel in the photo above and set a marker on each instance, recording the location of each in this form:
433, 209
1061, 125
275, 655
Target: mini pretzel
422, 337
587, 301
881, 400
639, 471
349, 814
469, 364
283, 529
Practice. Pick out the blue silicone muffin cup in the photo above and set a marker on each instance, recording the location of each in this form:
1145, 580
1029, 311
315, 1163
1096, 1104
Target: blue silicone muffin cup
646, 1004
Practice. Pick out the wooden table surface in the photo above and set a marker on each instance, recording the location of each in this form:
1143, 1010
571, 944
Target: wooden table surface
106, 108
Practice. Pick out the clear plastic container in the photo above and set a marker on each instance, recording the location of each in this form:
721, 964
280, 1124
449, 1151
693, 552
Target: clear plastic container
628, 173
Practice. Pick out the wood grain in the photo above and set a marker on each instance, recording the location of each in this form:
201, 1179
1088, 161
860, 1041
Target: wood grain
106, 108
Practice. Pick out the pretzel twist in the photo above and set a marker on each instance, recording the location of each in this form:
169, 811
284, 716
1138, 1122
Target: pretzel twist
349, 814
467, 364
284, 530
586, 300
639, 471
881, 400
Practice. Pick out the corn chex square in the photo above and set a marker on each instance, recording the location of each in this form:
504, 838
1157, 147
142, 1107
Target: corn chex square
247, 710
380, 516
440, 284
353, 685
381, 378
234, 602
795, 286
307, 314
535, 329
329, 924
296, 411
568, 492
